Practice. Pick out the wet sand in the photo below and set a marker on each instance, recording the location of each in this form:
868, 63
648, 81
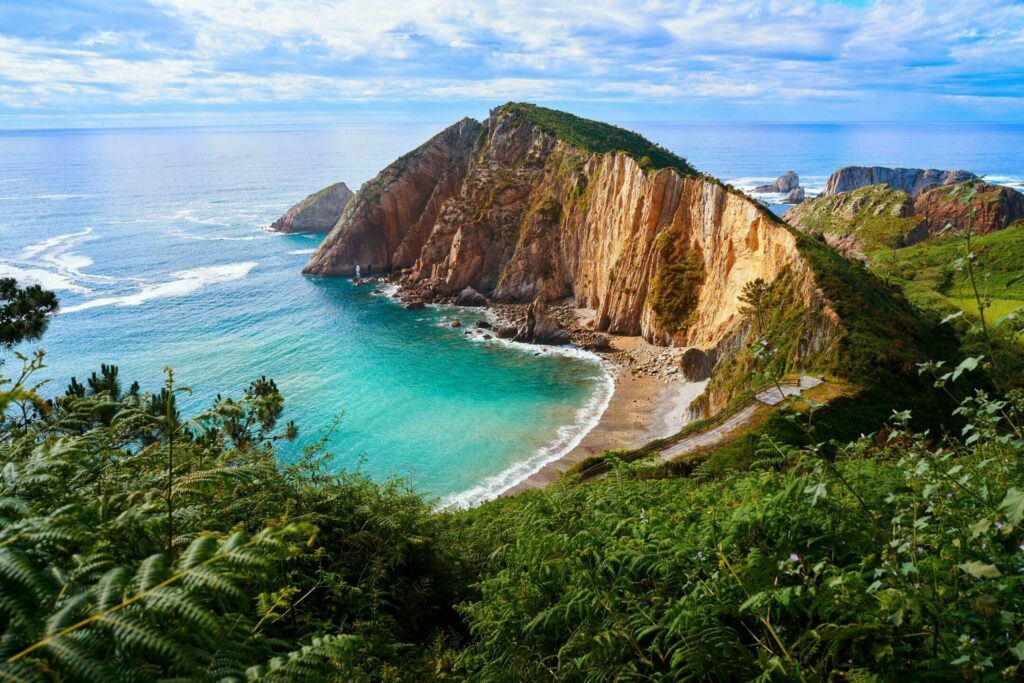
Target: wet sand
641, 408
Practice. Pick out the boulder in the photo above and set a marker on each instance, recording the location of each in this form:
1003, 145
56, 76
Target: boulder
415, 305
795, 196
483, 325
506, 332
455, 323
913, 181
697, 364
541, 326
317, 213
598, 343
470, 297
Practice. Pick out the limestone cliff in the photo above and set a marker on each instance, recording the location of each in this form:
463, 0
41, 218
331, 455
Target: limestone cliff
913, 181
316, 213
536, 204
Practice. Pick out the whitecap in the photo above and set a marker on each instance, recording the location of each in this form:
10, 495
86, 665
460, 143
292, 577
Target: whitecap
302, 251
44, 197
185, 282
184, 234
47, 279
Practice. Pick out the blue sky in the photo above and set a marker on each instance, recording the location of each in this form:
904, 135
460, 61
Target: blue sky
92, 63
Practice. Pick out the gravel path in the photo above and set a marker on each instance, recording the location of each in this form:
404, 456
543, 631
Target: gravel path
717, 433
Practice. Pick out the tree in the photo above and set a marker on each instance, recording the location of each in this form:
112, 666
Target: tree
24, 312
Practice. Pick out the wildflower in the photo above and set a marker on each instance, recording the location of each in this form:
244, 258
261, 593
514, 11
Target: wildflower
793, 557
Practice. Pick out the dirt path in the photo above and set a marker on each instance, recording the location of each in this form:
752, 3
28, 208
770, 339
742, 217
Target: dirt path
718, 433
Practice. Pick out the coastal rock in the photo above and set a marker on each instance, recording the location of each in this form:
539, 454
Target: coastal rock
913, 181
316, 213
597, 342
482, 325
455, 323
390, 218
795, 196
414, 306
541, 326
996, 207
470, 297
786, 182
697, 364
506, 332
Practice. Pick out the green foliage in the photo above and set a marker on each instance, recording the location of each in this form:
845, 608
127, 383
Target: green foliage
597, 137
676, 284
895, 558
23, 312
136, 544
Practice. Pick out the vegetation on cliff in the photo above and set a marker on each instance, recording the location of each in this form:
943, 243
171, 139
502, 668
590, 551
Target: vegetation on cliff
876, 216
598, 138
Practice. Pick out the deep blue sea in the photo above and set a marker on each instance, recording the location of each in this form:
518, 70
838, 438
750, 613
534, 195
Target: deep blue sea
155, 242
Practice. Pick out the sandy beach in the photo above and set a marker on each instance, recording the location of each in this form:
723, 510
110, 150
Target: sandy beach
643, 407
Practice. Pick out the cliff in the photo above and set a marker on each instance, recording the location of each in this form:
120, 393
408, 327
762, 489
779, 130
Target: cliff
316, 213
995, 208
536, 204
913, 181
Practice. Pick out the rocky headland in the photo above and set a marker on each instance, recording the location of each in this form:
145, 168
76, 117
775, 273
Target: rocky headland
317, 213
573, 230
883, 217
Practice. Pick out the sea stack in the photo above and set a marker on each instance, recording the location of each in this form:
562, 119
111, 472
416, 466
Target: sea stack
317, 213
913, 181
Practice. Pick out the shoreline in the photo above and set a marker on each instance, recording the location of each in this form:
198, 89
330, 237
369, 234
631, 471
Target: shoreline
649, 397
642, 408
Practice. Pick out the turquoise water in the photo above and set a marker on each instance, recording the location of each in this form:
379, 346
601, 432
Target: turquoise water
154, 242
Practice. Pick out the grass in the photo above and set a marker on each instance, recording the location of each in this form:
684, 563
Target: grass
928, 276
599, 138
871, 214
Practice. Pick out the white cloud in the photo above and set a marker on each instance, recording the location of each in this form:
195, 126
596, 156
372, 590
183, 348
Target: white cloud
261, 52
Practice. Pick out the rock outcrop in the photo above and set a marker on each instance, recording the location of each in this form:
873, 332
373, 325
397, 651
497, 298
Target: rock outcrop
913, 181
786, 182
391, 217
878, 217
995, 208
541, 326
316, 213
535, 206
796, 196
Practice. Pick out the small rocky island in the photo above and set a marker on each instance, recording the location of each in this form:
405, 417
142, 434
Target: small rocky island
789, 184
317, 213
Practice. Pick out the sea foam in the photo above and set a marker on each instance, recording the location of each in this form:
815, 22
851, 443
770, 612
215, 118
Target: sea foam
185, 282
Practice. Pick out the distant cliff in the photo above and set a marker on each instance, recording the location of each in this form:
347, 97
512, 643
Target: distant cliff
316, 213
913, 181
534, 203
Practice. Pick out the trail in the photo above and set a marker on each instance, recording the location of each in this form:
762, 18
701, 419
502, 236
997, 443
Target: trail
717, 433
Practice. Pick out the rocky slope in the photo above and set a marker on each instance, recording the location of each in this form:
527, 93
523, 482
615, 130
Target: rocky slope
535, 204
316, 213
878, 217
913, 181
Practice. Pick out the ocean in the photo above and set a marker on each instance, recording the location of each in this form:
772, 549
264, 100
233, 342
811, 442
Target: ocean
155, 241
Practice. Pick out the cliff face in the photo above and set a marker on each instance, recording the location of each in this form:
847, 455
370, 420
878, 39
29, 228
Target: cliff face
316, 213
391, 216
913, 181
996, 207
517, 213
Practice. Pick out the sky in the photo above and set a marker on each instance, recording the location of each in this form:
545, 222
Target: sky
94, 63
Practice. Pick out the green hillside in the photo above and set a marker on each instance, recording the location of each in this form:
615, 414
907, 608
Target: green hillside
597, 137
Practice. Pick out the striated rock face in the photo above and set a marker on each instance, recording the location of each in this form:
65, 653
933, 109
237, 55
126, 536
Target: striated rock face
316, 213
519, 215
996, 207
391, 217
796, 196
913, 181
